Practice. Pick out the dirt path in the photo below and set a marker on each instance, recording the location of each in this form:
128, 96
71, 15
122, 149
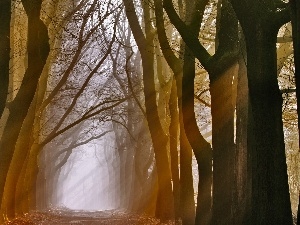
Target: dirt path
67, 217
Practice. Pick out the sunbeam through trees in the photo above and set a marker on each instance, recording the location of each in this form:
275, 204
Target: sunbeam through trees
149, 112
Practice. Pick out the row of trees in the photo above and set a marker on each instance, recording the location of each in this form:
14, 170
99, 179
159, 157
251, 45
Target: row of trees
130, 70
247, 174
64, 63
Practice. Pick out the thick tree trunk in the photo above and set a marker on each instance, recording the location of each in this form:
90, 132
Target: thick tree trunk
222, 110
295, 12
22, 149
189, 131
201, 148
30, 181
266, 151
298, 214
187, 202
22, 205
242, 176
173, 131
5, 16
295, 9
38, 49
165, 202
222, 101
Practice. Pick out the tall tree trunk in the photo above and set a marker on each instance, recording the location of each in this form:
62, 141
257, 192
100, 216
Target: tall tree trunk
21, 150
38, 49
298, 214
242, 188
5, 17
222, 73
185, 92
295, 18
29, 179
22, 205
173, 131
187, 201
266, 150
165, 202
222, 110
200, 146
223, 132
295, 9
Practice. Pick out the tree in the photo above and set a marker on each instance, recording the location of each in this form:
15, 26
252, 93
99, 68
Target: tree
295, 17
38, 49
295, 14
5, 12
23, 183
269, 199
264, 101
12, 204
221, 68
296, 41
165, 202
96, 79
186, 116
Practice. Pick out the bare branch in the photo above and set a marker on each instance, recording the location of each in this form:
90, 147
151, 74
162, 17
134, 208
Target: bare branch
202, 101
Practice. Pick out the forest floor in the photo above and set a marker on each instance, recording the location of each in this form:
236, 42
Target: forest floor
68, 217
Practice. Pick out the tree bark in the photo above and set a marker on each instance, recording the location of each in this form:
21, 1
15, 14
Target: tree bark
189, 132
22, 205
295, 18
5, 17
221, 69
270, 200
242, 188
173, 131
270, 191
186, 177
222, 110
200, 146
187, 203
298, 214
21, 151
38, 49
165, 202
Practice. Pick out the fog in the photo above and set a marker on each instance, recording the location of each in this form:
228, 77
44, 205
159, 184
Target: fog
87, 185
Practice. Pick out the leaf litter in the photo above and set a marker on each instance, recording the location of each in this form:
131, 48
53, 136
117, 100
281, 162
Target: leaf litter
71, 217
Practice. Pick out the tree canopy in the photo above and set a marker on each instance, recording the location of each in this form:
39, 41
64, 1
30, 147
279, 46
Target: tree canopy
187, 111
